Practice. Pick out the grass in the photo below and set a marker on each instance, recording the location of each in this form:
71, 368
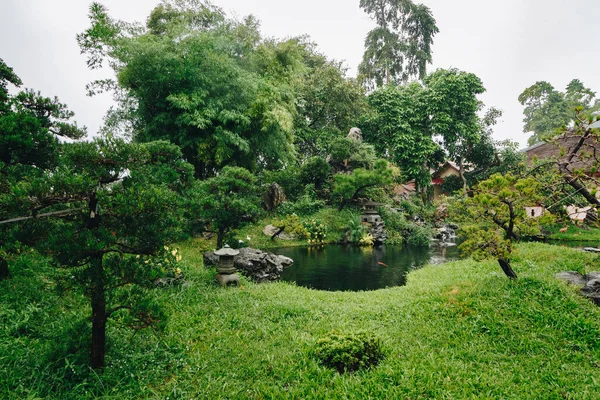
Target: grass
460, 330
574, 233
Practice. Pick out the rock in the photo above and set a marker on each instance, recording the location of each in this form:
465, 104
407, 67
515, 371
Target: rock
256, 264
440, 214
592, 275
355, 134
591, 290
273, 197
591, 217
169, 281
572, 277
270, 230
378, 232
589, 284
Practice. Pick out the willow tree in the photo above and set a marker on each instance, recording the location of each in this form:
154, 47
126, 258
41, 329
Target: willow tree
399, 47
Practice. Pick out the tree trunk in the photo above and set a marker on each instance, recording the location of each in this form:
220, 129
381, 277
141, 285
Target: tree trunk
462, 175
98, 296
98, 314
4, 272
505, 265
220, 237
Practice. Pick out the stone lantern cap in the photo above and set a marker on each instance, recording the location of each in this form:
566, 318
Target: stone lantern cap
227, 251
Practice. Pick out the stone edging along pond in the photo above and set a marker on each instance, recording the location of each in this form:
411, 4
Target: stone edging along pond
589, 284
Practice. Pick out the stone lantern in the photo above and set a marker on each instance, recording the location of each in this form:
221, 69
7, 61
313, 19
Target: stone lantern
225, 268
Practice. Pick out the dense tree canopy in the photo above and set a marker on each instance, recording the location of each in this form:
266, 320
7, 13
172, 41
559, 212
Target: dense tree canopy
548, 110
219, 90
418, 125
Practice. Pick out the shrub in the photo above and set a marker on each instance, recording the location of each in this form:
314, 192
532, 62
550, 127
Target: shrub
419, 235
307, 204
293, 226
348, 353
315, 171
356, 230
451, 184
317, 231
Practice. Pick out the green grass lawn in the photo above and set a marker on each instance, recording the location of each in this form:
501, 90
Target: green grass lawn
575, 233
459, 330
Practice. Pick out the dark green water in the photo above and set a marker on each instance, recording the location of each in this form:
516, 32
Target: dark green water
345, 267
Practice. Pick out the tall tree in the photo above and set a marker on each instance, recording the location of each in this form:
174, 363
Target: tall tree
227, 201
30, 128
547, 110
109, 209
418, 125
210, 84
329, 105
399, 48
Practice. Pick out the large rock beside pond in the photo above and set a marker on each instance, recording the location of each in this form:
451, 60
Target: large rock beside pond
589, 284
270, 230
256, 264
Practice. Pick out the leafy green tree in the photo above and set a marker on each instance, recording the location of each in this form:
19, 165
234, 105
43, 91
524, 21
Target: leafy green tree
228, 200
315, 171
419, 125
329, 105
30, 125
30, 128
194, 77
348, 187
399, 48
548, 110
494, 217
112, 207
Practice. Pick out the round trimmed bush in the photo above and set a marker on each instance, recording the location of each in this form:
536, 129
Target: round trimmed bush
349, 352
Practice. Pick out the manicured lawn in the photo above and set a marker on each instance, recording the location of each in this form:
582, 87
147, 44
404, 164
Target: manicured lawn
459, 330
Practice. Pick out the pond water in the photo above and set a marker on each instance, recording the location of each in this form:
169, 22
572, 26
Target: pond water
353, 268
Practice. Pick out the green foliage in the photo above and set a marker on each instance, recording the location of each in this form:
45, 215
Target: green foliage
399, 48
347, 187
317, 231
494, 216
292, 225
330, 104
119, 204
406, 230
349, 352
288, 178
547, 110
208, 83
419, 235
451, 184
356, 230
227, 201
315, 171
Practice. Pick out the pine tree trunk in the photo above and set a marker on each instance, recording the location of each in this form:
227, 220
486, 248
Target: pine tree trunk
98, 314
505, 265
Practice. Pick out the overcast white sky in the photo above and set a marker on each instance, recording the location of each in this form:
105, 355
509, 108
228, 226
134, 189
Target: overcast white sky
509, 44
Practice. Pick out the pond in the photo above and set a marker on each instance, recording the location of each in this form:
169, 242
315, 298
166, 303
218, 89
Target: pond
353, 268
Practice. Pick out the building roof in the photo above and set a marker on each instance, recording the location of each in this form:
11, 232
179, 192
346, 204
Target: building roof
561, 146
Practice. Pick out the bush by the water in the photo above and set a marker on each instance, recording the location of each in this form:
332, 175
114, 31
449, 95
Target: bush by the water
349, 352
